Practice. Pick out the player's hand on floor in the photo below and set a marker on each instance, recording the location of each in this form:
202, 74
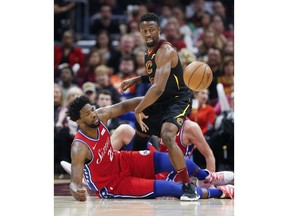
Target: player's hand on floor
79, 193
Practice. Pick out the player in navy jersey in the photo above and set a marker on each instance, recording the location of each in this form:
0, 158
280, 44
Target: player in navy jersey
167, 102
125, 174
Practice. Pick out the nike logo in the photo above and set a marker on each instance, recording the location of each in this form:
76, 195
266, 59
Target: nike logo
94, 146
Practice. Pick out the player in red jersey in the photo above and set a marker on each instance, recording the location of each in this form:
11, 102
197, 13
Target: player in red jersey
126, 174
188, 138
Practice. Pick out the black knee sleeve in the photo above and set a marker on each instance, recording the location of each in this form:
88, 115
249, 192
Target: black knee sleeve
139, 143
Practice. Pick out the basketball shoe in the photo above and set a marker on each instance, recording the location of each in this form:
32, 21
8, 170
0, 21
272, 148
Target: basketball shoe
189, 192
67, 167
228, 191
216, 178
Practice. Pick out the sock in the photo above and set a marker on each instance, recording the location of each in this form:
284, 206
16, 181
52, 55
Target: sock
194, 170
206, 193
214, 192
183, 173
139, 143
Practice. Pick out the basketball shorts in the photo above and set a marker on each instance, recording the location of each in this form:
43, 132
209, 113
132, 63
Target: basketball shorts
173, 111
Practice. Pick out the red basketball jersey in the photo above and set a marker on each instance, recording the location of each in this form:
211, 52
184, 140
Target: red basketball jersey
187, 150
102, 170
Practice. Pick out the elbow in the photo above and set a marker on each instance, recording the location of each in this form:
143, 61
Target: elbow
158, 91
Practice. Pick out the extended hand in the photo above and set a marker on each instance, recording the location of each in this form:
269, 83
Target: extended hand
78, 193
139, 117
126, 84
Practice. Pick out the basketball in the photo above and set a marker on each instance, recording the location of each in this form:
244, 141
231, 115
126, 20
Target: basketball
197, 76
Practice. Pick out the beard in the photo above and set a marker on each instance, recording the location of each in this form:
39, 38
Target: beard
93, 125
150, 45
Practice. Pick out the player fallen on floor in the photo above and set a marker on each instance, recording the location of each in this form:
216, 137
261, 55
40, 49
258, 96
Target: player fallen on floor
125, 174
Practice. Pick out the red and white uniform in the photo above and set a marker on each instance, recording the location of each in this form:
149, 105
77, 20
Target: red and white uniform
186, 149
116, 174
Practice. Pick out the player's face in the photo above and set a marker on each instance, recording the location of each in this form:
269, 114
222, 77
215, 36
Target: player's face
150, 31
89, 116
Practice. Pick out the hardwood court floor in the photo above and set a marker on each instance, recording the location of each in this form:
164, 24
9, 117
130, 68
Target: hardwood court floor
66, 205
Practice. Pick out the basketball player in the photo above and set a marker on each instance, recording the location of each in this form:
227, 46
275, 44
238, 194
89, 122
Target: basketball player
188, 138
126, 174
166, 103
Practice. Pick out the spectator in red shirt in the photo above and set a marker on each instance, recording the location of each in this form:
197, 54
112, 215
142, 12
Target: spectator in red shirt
68, 53
172, 35
203, 114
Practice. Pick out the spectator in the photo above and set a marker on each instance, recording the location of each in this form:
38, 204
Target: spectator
104, 45
104, 99
227, 79
205, 23
186, 57
139, 54
125, 49
103, 82
228, 49
166, 13
89, 89
68, 53
127, 71
215, 63
184, 29
62, 11
204, 114
65, 132
66, 79
95, 58
217, 26
58, 103
208, 41
105, 22
172, 35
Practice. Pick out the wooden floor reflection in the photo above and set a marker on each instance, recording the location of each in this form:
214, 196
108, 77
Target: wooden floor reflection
67, 205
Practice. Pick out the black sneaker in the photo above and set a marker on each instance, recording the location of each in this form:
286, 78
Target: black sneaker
189, 192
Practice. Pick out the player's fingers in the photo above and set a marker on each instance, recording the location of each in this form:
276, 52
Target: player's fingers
145, 116
145, 126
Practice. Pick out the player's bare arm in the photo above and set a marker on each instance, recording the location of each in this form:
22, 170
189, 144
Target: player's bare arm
196, 137
79, 154
128, 83
166, 57
118, 109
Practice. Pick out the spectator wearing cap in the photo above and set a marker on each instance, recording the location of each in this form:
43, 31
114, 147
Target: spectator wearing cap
89, 89
103, 82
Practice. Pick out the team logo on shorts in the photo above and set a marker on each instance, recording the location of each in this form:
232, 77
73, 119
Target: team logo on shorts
144, 152
179, 121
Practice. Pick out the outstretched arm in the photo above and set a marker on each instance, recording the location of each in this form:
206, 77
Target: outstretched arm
79, 153
196, 137
118, 109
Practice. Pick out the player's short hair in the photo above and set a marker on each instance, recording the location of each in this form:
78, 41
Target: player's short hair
150, 17
75, 106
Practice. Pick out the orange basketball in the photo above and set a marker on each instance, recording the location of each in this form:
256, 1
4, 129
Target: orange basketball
197, 76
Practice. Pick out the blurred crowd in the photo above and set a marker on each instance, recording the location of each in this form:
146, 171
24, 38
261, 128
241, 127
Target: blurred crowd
97, 45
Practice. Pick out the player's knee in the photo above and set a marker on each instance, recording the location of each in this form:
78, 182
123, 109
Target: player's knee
168, 138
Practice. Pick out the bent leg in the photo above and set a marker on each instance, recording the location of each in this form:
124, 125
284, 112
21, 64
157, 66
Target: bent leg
163, 164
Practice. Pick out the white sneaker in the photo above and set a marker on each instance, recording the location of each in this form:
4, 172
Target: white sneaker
228, 191
216, 178
67, 167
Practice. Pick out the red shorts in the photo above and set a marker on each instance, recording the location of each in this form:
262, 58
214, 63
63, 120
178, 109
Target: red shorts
136, 176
